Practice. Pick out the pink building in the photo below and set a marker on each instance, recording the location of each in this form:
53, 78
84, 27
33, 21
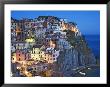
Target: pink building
22, 56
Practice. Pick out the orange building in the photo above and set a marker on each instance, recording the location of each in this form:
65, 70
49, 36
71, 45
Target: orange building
45, 24
20, 56
18, 30
74, 29
18, 33
52, 44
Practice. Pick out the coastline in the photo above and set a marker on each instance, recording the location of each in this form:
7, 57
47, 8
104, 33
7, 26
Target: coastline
87, 71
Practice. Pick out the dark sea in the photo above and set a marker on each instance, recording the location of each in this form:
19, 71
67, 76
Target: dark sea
94, 71
94, 43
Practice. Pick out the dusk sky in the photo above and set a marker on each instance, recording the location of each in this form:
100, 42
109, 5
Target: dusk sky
88, 22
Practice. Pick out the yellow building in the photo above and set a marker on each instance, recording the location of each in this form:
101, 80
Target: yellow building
74, 29
14, 58
64, 27
49, 58
18, 30
30, 40
42, 53
36, 53
48, 73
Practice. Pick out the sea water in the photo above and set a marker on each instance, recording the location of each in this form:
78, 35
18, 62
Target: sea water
93, 42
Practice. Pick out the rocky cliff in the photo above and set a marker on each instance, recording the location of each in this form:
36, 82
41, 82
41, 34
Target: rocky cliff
78, 56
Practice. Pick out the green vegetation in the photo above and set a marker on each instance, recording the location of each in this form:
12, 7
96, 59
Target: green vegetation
78, 42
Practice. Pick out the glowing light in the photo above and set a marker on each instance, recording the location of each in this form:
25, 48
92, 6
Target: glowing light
30, 40
26, 72
11, 74
18, 67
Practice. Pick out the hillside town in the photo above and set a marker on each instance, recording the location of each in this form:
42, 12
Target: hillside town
38, 45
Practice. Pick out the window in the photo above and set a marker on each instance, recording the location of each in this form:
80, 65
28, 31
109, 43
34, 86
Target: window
50, 58
53, 55
54, 59
25, 58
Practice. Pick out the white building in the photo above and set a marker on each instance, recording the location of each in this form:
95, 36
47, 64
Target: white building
52, 55
55, 55
13, 48
40, 32
63, 44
